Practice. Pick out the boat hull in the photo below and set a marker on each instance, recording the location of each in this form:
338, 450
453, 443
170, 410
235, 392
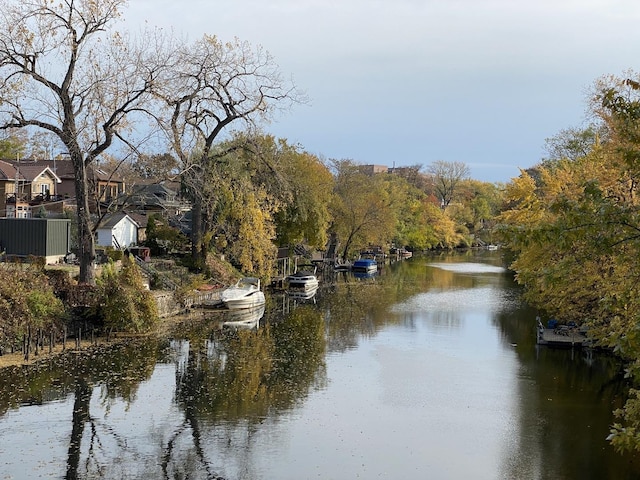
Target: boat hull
253, 300
245, 294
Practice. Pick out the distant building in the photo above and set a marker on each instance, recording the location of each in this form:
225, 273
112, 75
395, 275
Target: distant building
55, 192
156, 197
374, 169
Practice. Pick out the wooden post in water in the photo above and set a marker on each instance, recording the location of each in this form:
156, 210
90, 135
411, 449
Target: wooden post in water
27, 344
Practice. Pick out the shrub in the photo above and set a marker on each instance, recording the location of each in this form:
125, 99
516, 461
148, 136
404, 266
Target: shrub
125, 304
27, 300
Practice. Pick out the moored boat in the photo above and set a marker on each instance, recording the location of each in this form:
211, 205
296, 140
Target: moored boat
302, 280
364, 265
245, 293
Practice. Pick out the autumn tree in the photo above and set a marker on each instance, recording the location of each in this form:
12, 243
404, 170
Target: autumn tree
12, 145
574, 226
65, 70
476, 207
213, 85
420, 223
125, 305
573, 143
27, 303
446, 176
239, 209
361, 208
299, 183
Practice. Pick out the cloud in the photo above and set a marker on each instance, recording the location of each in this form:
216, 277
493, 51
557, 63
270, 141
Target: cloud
412, 81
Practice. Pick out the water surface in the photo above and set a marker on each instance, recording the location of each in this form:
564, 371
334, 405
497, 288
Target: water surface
428, 370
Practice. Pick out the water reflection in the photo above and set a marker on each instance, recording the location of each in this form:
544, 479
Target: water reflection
429, 370
247, 318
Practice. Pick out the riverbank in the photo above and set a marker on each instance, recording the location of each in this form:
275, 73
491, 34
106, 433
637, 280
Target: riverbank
165, 325
17, 359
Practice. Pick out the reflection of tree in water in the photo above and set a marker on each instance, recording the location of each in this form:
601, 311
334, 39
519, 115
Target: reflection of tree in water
118, 369
560, 386
236, 379
360, 308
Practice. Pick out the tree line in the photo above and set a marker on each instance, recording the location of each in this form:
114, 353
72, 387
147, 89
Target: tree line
573, 224
68, 73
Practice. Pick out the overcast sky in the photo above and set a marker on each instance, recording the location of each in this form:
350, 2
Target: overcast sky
404, 82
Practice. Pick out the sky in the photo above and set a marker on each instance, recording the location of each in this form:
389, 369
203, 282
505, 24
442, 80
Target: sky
406, 82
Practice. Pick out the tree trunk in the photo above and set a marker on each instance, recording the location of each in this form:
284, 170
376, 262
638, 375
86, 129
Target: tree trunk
86, 243
198, 252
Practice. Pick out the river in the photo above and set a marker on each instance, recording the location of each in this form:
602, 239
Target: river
428, 370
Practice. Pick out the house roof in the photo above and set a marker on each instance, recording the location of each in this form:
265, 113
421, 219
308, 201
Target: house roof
7, 171
150, 196
160, 190
111, 220
63, 168
141, 219
27, 172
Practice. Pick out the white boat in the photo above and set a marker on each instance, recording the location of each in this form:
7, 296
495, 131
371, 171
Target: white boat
244, 294
302, 280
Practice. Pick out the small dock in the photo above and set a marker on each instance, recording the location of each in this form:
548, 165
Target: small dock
562, 336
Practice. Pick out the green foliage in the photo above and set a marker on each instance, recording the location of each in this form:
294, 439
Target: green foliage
162, 238
125, 304
574, 225
113, 254
252, 248
362, 209
27, 301
12, 146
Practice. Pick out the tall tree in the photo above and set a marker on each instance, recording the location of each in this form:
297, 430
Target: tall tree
361, 208
12, 145
301, 185
64, 69
446, 177
573, 143
213, 85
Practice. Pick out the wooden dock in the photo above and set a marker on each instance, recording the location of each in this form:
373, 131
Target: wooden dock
562, 336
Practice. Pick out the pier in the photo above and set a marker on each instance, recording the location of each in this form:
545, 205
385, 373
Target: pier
562, 336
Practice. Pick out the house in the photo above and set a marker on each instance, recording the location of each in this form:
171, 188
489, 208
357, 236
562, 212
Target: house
155, 197
108, 186
39, 237
117, 230
25, 187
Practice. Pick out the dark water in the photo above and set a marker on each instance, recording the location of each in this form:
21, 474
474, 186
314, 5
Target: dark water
429, 370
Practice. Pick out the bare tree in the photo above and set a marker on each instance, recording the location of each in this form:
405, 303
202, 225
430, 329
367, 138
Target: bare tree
446, 177
211, 86
63, 71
